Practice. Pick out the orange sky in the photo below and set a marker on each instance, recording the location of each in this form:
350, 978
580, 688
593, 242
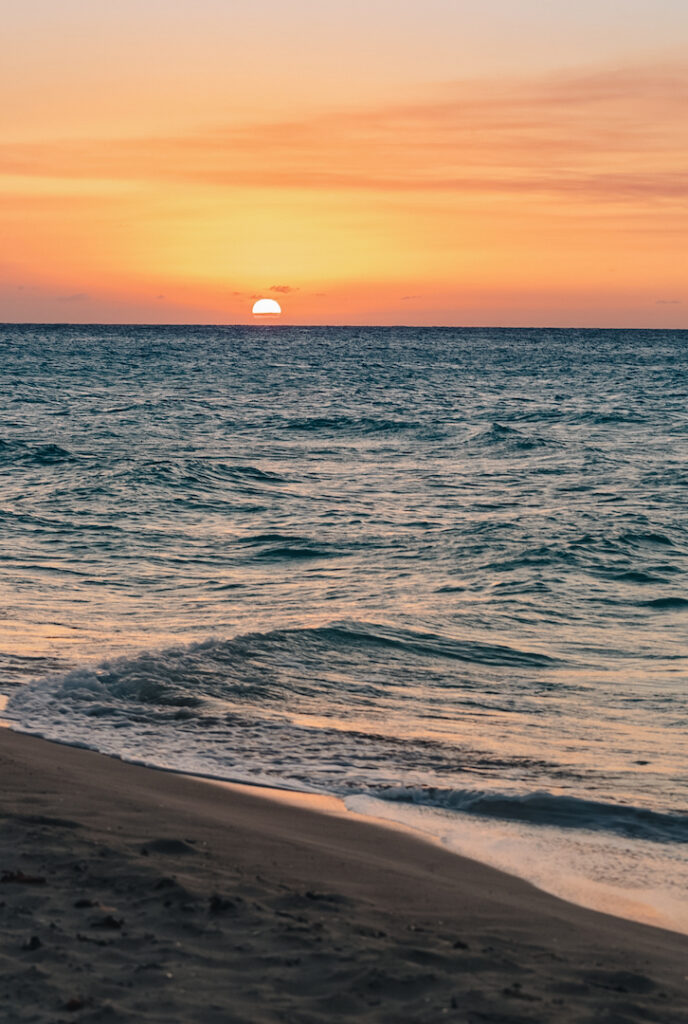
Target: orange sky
361, 163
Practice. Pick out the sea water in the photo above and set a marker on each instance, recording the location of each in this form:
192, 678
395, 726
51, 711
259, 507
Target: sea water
440, 573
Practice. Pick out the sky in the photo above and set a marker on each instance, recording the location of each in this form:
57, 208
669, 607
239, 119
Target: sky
503, 162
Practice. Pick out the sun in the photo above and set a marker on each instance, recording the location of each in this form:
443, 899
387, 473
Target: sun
267, 307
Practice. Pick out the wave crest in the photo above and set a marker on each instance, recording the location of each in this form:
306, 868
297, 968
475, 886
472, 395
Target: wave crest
544, 808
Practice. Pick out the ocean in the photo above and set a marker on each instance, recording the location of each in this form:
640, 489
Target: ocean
440, 573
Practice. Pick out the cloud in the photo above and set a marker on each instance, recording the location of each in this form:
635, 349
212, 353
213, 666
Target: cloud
282, 289
614, 135
74, 297
668, 302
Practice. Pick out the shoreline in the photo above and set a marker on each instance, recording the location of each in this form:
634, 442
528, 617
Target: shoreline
157, 887
581, 892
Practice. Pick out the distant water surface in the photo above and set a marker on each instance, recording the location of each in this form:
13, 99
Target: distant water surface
441, 573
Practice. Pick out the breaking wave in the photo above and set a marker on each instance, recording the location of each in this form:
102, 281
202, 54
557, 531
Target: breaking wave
543, 808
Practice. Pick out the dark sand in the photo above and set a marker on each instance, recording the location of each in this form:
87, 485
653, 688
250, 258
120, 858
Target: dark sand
135, 895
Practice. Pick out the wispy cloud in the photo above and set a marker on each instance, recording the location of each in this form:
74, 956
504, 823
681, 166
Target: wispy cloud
617, 134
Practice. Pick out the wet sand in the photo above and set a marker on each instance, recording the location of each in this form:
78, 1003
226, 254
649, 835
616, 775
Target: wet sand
128, 894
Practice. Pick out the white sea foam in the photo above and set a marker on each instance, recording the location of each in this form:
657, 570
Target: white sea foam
636, 879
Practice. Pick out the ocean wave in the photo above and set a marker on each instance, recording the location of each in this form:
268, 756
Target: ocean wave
254, 473
24, 453
667, 603
646, 537
296, 552
264, 667
436, 645
354, 424
544, 808
284, 547
624, 556
499, 435
333, 672
637, 576
193, 473
612, 416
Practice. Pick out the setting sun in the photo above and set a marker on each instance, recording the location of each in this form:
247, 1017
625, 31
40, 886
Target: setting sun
266, 307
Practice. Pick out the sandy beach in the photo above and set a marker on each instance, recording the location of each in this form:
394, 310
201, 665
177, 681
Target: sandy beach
128, 894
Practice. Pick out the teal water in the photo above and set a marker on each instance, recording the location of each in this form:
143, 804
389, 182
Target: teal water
441, 573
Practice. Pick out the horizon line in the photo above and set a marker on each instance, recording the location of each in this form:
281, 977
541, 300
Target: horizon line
330, 326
